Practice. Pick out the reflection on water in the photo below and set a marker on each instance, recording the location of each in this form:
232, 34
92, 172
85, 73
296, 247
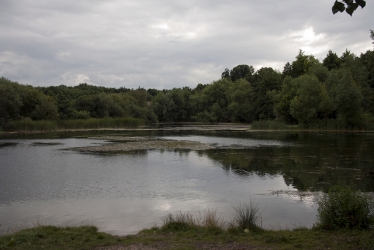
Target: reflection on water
123, 193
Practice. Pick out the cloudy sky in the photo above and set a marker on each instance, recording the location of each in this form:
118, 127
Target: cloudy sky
167, 44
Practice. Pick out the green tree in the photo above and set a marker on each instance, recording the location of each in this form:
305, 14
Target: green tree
46, 109
346, 98
210, 104
241, 98
10, 101
320, 71
331, 61
367, 59
226, 74
300, 66
311, 100
242, 71
263, 81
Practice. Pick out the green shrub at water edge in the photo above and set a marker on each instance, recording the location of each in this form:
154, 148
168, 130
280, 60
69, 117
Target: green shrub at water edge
343, 207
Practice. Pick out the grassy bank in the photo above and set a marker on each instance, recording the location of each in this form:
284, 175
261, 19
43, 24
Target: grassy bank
28, 125
187, 237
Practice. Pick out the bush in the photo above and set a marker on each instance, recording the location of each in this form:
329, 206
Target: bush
343, 207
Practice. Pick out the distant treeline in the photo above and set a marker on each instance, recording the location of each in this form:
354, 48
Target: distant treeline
335, 93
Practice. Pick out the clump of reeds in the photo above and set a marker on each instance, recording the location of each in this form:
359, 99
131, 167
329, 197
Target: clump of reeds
92, 123
28, 125
270, 125
248, 216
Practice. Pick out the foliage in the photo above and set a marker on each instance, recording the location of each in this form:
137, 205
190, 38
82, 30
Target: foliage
331, 61
300, 66
348, 5
343, 207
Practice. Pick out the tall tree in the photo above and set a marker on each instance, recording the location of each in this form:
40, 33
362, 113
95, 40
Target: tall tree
331, 61
300, 66
242, 71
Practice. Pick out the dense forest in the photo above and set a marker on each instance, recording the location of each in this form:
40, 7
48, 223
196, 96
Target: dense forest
335, 93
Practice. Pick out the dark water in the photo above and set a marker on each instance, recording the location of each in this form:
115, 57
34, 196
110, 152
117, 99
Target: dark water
122, 193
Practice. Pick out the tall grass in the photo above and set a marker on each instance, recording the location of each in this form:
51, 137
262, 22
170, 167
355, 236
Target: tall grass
185, 221
92, 123
28, 125
247, 217
271, 125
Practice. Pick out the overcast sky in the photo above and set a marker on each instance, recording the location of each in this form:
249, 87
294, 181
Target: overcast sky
167, 44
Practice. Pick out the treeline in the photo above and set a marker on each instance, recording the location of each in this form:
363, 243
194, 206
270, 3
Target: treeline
335, 93
83, 102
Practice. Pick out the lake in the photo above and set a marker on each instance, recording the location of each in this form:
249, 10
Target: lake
44, 179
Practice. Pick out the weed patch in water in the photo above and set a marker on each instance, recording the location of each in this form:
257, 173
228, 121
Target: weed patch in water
8, 144
46, 143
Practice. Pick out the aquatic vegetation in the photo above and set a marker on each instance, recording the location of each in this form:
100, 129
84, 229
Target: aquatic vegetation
8, 144
145, 145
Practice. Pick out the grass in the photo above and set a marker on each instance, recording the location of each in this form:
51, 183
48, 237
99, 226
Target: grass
88, 237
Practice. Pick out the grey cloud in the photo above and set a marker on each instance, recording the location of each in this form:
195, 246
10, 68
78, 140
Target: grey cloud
165, 44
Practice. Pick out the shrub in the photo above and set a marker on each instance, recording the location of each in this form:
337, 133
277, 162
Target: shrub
343, 207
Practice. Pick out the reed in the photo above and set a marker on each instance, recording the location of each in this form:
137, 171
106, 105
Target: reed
94, 123
248, 216
269, 125
28, 125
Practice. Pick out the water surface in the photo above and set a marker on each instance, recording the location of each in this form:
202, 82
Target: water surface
122, 193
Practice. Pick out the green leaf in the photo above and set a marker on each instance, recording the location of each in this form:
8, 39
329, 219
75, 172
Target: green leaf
362, 3
351, 9
338, 6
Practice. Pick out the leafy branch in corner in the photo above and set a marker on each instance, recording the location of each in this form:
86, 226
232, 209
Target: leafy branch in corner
348, 5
